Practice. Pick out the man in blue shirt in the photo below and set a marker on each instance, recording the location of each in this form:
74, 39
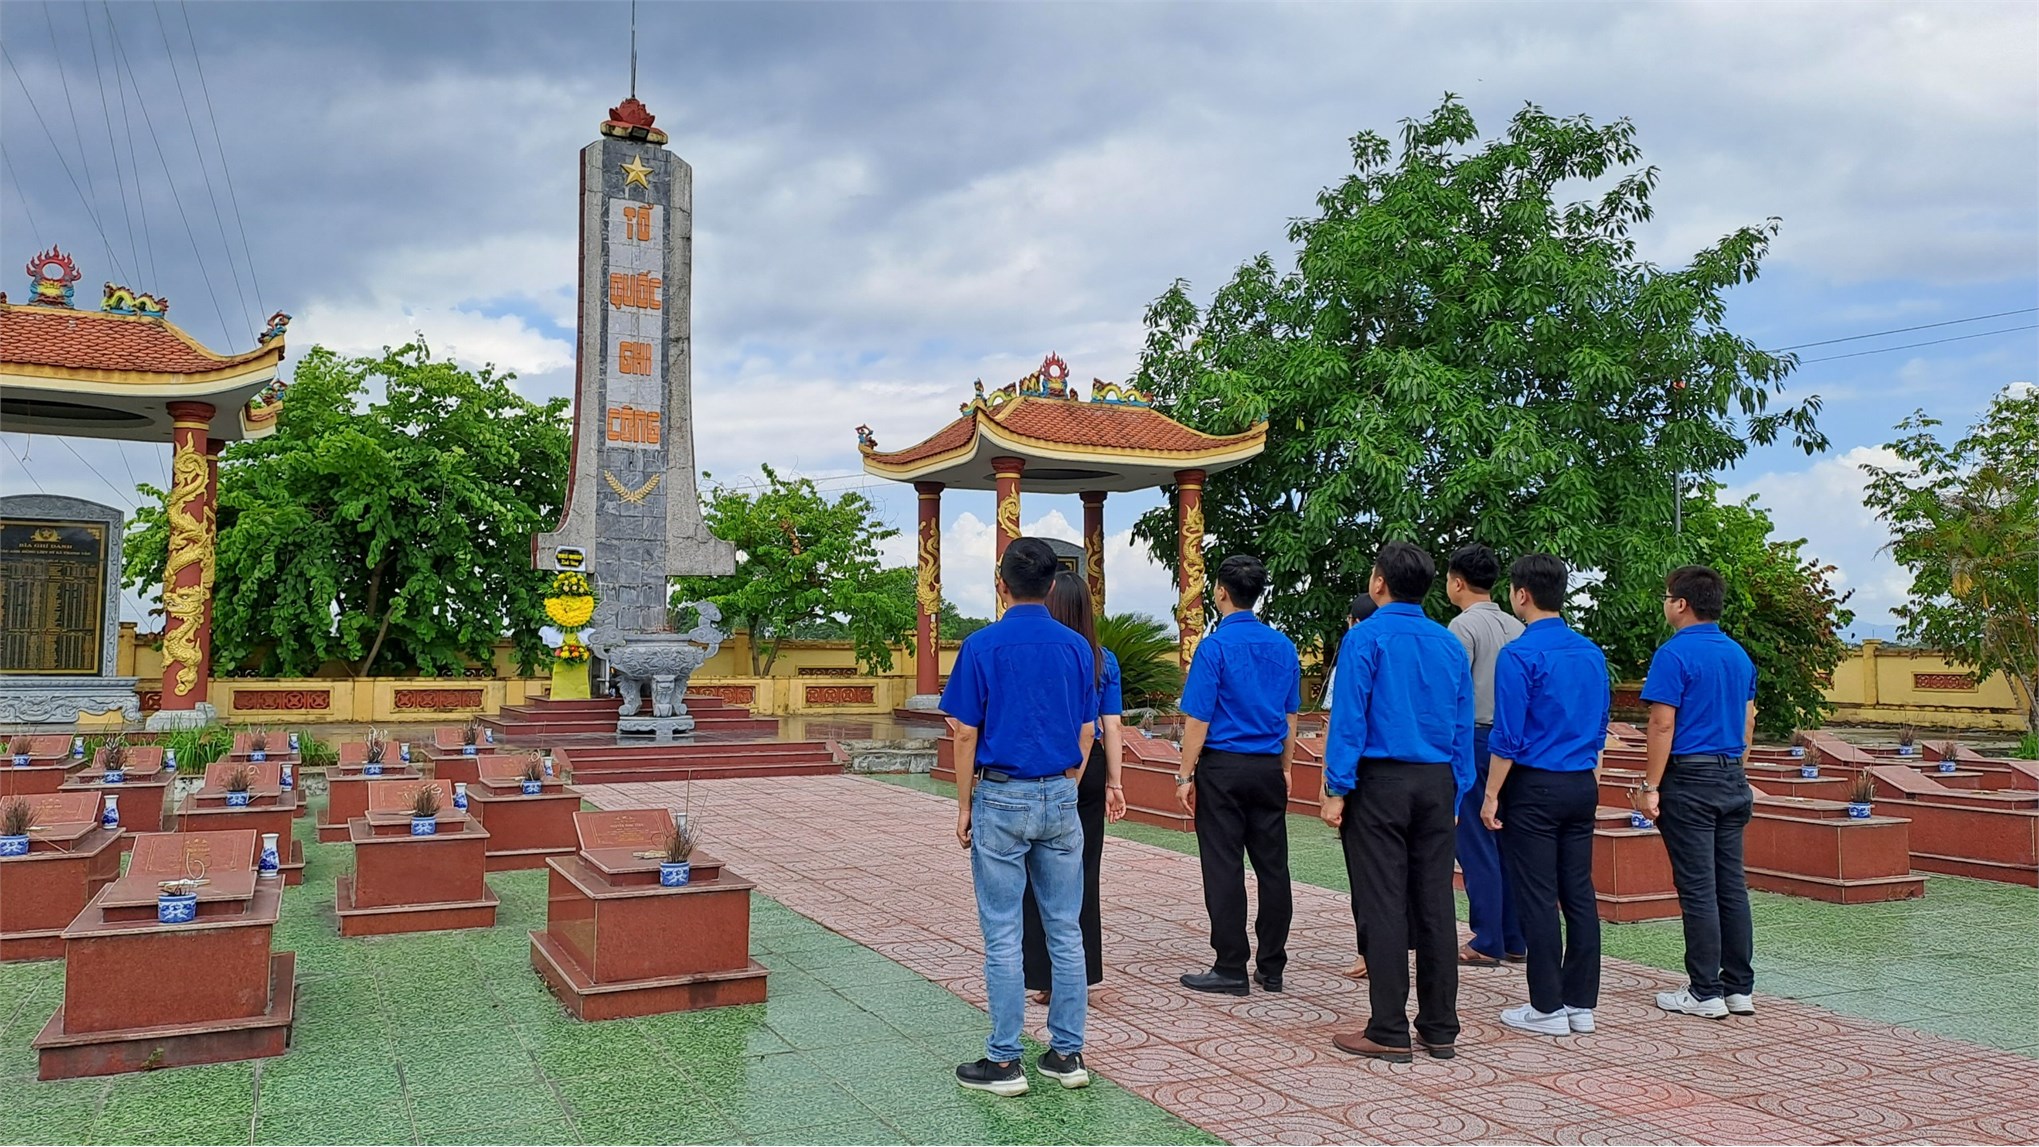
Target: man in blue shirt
1397, 759
1551, 696
1239, 702
1023, 694
1701, 690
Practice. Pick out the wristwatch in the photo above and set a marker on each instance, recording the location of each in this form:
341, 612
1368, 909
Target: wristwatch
1646, 787
1180, 781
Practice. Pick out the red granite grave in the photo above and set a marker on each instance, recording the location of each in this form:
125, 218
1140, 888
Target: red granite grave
140, 995
617, 943
523, 829
1812, 848
270, 808
405, 883
70, 858
145, 794
1631, 871
49, 765
347, 789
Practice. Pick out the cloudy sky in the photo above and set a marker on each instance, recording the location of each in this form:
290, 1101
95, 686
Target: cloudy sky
892, 200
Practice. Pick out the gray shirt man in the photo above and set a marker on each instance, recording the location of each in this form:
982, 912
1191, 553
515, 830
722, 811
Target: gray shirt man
1483, 628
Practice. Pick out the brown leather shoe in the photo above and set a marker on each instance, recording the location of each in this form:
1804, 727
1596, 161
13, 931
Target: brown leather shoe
1436, 1050
1473, 958
1356, 1043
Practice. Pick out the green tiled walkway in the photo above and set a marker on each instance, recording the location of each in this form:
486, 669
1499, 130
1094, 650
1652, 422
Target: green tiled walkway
451, 1038
1960, 962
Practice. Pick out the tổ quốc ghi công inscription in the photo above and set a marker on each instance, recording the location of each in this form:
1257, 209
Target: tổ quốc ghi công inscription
52, 596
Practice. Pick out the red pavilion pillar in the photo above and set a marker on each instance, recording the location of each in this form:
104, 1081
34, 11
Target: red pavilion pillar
928, 593
1093, 548
1189, 518
1008, 471
188, 572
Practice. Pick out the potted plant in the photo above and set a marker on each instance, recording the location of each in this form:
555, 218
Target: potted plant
177, 901
116, 761
240, 779
14, 817
532, 777
1861, 795
378, 747
425, 811
470, 734
1798, 743
1907, 741
258, 745
676, 867
18, 748
1808, 766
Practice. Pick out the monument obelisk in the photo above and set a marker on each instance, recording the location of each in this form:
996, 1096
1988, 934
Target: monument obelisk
633, 512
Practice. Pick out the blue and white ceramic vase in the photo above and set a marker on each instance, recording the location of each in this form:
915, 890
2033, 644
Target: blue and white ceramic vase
258, 755
176, 909
672, 875
1809, 771
271, 864
14, 845
1637, 820
1858, 810
293, 742
21, 760
78, 748
116, 776
460, 794
237, 799
170, 759
285, 777
488, 734
403, 751
546, 760
372, 769
468, 750
533, 788
424, 826
1948, 766
1798, 750
109, 816
1906, 750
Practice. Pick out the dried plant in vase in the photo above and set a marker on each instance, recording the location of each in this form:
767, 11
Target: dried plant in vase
532, 776
239, 780
1799, 742
425, 811
258, 745
374, 750
1907, 740
470, 734
116, 760
19, 746
676, 867
1861, 795
15, 817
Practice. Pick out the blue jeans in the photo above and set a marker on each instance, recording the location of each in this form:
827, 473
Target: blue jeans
1025, 832
1490, 909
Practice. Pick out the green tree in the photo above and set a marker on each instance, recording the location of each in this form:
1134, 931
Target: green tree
385, 524
804, 562
1964, 519
1150, 671
1458, 354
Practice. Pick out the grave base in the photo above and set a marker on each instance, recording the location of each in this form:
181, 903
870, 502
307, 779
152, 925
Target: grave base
61, 1056
662, 729
588, 1000
401, 918
1853, 890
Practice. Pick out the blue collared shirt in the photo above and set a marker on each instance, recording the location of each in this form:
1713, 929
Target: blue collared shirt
1404, 693
1551, 697
1709, 679
1027, 683
1244, 682
1110, 697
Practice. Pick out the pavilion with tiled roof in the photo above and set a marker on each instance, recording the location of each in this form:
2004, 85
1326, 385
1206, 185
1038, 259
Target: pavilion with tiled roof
125, 371
1038, 432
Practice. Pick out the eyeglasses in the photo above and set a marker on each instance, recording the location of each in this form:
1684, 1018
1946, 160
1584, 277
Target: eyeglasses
1672, 597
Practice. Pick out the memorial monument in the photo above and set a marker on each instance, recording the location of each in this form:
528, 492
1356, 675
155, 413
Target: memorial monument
633, 514
60, 610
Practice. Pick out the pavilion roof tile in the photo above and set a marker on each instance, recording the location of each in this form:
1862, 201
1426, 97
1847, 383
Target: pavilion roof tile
1065, 422
62, 338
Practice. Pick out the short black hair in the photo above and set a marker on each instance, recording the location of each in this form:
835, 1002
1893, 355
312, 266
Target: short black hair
1244, 579
1362, 607
1407, 569
1543, 576
1028, 568
1701, 587
1477, 564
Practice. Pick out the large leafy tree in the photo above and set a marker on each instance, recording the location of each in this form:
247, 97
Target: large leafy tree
1964, 519
805, 564
386, 524
1459, 354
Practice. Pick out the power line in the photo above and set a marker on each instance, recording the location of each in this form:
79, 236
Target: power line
127, 123
106, 116
19, 193
22, 461
233, 200
65, 163
1904, 330
64, 77
1930, 342
204, 168
132, 502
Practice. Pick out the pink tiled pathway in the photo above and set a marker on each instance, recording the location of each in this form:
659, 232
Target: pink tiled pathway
879, 864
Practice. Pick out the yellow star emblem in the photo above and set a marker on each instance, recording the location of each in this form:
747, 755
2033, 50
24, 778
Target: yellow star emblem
636, 172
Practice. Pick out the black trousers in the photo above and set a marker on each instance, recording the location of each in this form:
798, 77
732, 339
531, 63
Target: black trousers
1242, 811
1547, 846
1398, 830
1034, 941
1702, 813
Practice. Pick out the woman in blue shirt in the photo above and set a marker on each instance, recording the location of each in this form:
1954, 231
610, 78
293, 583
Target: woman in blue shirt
1099, 793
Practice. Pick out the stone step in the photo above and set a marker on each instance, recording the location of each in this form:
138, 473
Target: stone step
708, 771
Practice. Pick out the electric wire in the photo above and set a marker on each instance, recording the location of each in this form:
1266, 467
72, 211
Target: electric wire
21, 460
204, 169
1906, 330
1929, 342
233, 200
70, 105
121, 79
20, 194
61, 161
106, 115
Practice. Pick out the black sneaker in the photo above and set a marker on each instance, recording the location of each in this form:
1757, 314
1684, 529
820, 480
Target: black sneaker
1068, 1070
997, 1078
1216, 983
1267, 983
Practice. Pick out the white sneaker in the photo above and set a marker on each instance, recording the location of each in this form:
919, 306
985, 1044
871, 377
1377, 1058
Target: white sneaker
1684, 1001
1580, 1019
1527, 1018
1741, 1005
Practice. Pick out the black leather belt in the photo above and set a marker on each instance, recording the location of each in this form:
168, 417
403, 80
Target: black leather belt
1704, 759
1000, 777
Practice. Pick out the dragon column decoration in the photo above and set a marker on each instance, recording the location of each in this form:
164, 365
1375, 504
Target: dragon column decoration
189, 512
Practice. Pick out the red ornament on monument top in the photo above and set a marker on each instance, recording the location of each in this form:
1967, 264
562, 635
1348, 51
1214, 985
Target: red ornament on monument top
632, 120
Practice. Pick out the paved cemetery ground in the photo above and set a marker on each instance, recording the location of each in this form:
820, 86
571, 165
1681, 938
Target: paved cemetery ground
451, 1038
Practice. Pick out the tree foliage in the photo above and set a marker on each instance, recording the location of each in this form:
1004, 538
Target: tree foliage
1150, 671
385, 524
1459, 354
1964, 519
804, 563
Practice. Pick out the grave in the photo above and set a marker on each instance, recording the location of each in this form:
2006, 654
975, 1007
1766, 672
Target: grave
407, 883
144, 793
617, 943
70, 858
270, 808
445, 757
60, 569
524, 829
139, 994
49, 765
347, 787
